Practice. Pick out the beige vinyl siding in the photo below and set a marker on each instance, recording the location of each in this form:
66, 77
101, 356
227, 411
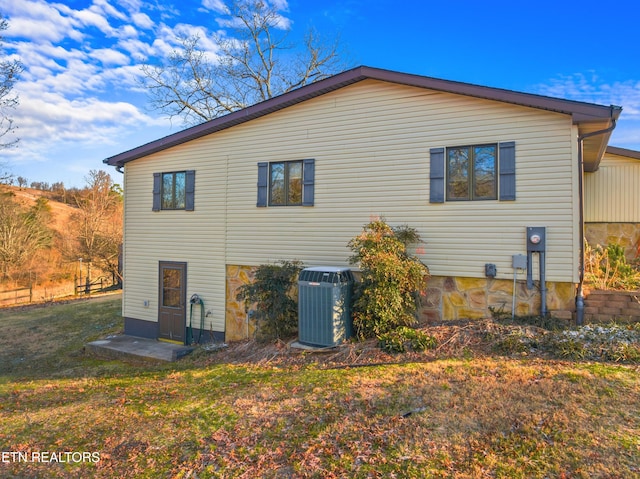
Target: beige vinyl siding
612, 193
371, 144
196, 237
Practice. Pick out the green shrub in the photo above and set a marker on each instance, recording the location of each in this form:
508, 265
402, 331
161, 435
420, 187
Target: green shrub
403, 338
387, 295
274, 292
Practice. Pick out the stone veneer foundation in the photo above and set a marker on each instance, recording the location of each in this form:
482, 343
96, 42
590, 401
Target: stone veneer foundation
626, 235
237, 324
449, 298
445, 298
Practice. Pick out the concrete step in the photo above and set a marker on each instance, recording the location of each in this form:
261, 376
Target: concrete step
131, 347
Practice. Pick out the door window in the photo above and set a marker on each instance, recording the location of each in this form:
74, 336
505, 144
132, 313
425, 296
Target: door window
171, 289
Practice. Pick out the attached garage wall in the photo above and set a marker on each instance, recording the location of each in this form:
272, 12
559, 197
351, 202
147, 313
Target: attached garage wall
612, 204
612, 194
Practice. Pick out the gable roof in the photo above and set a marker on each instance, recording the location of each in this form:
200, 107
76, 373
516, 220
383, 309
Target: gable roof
589, 117
614, 150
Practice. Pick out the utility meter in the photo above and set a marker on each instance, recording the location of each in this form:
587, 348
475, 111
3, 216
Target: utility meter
537, 243
536, 239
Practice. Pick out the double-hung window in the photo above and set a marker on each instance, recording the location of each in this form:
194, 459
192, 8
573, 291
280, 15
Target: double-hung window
174, 190
472, 173
286, 183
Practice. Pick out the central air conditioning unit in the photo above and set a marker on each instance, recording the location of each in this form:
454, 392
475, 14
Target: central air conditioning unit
324, 306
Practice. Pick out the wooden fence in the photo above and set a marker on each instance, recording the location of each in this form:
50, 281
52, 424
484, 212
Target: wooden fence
38, 294
99, 284
16, 296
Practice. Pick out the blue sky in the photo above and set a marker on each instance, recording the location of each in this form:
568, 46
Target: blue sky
80, 99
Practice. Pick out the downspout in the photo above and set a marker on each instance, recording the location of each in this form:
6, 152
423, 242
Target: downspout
580, 293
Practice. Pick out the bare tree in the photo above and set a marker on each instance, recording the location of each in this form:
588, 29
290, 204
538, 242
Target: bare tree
10, 69
253, 62
23, 232
98, 223
6, 177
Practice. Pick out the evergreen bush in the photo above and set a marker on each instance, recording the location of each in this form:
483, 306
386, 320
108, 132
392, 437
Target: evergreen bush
387, 296
274, 292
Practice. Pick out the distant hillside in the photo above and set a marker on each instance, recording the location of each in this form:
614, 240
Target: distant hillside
60, 212
66, 248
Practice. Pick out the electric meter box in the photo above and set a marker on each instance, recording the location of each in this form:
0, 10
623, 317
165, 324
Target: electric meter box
536, 238
324, 306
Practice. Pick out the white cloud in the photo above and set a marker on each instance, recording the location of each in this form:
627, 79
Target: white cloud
103, 7
138, 49
81, 93
110, 57
127, 31
127, 77
280, 5
215, 5
278, 21
592, 88
38, 21
131, 5
142, 20
53, 119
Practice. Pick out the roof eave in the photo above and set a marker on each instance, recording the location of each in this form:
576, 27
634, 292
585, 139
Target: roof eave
614, 150
580, 112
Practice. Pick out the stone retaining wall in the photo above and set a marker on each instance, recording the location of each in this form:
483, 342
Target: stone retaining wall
611, 306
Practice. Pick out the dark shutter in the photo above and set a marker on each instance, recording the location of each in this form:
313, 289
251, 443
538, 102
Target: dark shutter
308, 182
263, 183
507, 171
436, 175
157, 191
190, 190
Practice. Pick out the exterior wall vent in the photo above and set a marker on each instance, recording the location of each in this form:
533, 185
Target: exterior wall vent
324, 306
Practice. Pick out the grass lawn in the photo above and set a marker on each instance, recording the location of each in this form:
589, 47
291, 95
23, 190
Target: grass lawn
66, 414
